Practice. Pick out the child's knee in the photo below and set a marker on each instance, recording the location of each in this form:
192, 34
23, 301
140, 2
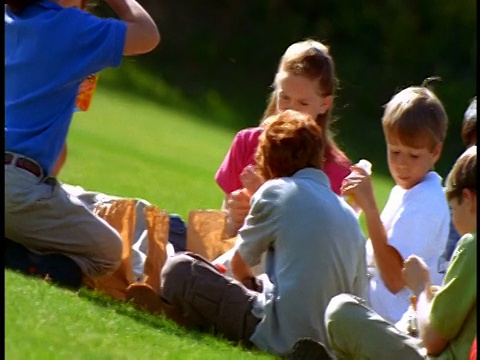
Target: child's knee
340, 308
110, 257
340, 319
176, 270
178, 265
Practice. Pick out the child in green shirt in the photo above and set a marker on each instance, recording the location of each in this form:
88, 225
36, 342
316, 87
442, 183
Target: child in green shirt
448, 321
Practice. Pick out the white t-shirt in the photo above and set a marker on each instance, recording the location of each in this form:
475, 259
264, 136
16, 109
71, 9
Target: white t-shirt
416, 222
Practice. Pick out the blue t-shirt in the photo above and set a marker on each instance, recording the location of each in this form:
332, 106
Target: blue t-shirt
49, 50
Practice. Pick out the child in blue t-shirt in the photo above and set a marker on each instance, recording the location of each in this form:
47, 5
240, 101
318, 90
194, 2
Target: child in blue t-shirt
51, 46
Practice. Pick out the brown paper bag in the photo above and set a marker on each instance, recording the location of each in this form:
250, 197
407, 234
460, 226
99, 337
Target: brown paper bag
120, 214
158, 227
206, 233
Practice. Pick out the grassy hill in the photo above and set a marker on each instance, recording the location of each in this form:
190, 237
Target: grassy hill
131, 146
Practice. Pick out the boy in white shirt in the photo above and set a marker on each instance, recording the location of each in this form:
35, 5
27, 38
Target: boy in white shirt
415, 219
446, 318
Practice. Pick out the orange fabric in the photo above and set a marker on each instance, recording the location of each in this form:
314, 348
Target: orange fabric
85, 92
158, 223
120, 214
206, 233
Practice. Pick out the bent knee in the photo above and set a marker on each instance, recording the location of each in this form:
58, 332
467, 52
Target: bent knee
110, 257
340, 307
176, 265
175, 271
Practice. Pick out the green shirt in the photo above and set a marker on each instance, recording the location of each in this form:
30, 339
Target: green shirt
454, 309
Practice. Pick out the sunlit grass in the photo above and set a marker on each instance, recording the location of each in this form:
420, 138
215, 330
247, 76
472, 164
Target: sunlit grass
126, 146
46, 322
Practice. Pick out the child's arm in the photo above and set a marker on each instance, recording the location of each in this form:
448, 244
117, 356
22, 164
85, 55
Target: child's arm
388, 260
432, 340
417, 278
236, 206
250, 179
240, 270
142, 33
60, 161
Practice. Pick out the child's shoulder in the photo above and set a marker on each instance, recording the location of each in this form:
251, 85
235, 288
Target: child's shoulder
468, 240
248, 136
431, 184
428, 194
249, 132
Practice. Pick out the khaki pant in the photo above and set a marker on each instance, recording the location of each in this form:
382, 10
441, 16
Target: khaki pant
44, 218
357, 332
207, 299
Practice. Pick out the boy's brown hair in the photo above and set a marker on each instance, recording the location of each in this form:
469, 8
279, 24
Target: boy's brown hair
415, 117
463, 175
469, 124
290, 142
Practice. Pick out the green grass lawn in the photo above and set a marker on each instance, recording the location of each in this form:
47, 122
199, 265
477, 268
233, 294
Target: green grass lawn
135, 148
46, 322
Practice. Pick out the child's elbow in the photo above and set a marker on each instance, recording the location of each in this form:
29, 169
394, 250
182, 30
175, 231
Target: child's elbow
141, 39
151, 40
394, 285
433, 342
236, 265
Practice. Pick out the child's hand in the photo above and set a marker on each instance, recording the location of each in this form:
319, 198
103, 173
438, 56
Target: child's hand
238, 205
359, 184
416, 274
250, 179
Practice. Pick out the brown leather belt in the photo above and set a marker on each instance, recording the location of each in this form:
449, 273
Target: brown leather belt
25, 164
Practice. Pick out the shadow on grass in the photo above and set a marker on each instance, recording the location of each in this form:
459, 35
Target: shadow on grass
159, 322
205, 102
125, 309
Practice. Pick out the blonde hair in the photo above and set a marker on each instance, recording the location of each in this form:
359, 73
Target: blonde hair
415, 117
311, 59
290, 142
463, 175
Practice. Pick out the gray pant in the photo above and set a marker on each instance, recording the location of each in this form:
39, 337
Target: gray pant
357, 332
43, 217
91, 199
207, 299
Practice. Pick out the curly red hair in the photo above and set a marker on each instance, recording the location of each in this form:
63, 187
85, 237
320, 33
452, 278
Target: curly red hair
291, 141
